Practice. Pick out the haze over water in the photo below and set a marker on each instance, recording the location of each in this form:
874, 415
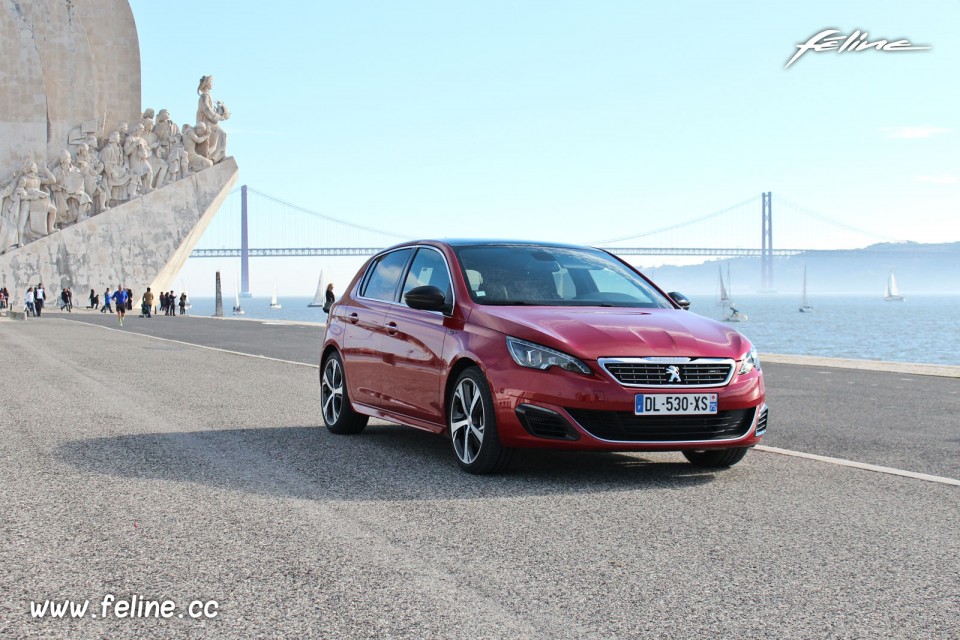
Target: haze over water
923, 329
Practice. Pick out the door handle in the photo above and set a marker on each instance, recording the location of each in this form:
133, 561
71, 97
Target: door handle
392, 328
354, 318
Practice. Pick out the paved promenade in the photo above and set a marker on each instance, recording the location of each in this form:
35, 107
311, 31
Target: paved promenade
138, 466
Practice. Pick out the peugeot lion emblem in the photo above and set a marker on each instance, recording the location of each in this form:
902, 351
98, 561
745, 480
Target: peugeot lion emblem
674, 372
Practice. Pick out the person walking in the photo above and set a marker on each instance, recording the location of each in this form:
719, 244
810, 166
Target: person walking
39, 297
94, 300
121, 298
28, 306
146, 304
107, 298
183, 303
172, 297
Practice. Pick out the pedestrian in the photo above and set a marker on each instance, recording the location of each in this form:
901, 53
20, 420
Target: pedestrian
121, 298
28, 306
94, 300
39, 297
65, 299
183, 303
129, 300
172, 297
4, 299
146, 305
107, 299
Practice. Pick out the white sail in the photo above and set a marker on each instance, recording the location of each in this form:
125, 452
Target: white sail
237, 309
804, 307
273, 301
724, 298
891, 292
319, 297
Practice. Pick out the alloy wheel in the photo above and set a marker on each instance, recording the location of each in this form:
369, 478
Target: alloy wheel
467, 421
331, 391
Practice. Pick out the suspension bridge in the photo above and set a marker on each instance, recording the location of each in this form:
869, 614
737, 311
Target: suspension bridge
252, 224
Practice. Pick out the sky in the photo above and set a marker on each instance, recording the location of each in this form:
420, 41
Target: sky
569, 121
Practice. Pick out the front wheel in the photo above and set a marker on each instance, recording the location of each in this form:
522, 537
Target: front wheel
473, 426
338, 414
716, 458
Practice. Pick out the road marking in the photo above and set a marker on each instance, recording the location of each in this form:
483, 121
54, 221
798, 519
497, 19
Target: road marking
860, 465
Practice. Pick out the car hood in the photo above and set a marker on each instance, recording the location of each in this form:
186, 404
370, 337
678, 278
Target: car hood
592, 332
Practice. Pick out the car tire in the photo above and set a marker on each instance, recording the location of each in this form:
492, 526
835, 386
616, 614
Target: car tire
716, 458
338, 414
472, 423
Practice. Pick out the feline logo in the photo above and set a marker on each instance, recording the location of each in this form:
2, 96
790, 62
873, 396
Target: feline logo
856, 41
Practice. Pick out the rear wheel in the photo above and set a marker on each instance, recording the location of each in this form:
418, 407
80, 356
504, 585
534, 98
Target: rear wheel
338, 414
716, 458
473, 426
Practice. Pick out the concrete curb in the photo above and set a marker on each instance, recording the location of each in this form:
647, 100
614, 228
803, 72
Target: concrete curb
940, 370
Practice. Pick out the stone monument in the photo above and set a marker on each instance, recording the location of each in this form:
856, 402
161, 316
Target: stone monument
92, 191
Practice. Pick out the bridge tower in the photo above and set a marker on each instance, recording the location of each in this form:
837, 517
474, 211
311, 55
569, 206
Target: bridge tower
244, 246
766, 251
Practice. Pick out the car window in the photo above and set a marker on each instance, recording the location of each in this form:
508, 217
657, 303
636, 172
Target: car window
546, 275
385, 276
429, 269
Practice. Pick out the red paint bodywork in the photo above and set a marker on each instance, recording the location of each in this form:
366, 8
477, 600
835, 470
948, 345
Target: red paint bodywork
400, 362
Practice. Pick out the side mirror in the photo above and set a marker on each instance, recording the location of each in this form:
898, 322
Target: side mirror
428, 298
680, 299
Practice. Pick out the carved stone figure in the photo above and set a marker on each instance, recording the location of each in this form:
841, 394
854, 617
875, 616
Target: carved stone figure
165, 129
157, 162
93, 181
178, 162
193, 137
138, 154
36, 214
114, 170
8, 218
211, 113
71, 200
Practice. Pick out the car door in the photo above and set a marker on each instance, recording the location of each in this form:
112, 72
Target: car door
412, 346
365, 327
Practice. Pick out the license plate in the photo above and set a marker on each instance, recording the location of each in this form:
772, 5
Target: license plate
676, 404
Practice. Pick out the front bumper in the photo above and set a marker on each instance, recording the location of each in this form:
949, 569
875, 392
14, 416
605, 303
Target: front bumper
558, 409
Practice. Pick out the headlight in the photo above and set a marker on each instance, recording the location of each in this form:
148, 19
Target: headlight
535, 356
750, 361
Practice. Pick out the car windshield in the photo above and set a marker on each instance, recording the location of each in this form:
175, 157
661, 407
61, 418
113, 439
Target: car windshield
553, 276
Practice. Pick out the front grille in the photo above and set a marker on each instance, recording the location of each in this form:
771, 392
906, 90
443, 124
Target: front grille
626, 427
545, 424
762, 423
641, 372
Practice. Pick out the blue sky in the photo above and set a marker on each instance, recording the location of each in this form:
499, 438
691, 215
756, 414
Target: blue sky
571, 121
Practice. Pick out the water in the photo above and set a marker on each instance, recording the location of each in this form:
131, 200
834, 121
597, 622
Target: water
925, 328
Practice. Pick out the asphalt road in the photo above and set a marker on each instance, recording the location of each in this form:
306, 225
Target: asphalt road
133, 466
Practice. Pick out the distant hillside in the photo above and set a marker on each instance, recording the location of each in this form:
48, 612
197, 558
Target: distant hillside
919, 268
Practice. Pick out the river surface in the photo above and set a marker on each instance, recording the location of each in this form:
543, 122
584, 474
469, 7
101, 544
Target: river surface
924, 328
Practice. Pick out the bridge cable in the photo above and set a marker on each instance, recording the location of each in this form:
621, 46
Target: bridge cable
679, 224
326, 217
823, 218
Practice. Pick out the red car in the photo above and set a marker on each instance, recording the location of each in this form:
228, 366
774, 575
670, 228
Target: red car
504, 345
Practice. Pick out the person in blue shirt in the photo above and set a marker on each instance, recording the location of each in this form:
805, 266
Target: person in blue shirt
120, 297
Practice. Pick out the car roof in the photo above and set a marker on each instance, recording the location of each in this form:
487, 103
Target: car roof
473, 242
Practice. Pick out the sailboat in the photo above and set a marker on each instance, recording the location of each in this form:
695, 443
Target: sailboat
237, 309
320, 296
891, 293
273, 301
725, 302
804, 307
186, 291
